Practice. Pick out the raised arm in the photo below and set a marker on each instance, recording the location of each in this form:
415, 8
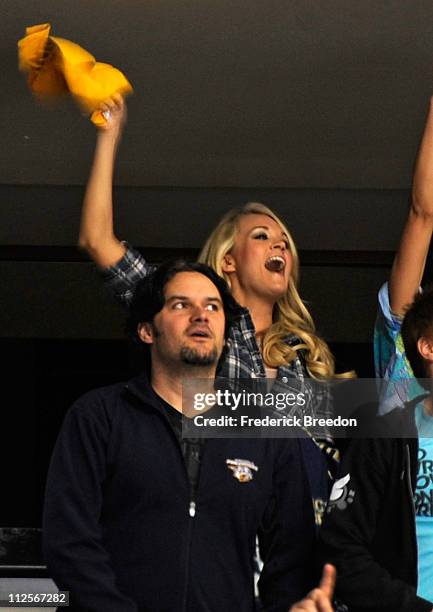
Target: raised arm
409, 261
96, 230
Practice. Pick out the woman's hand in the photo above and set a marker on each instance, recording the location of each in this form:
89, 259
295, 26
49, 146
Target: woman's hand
115, 114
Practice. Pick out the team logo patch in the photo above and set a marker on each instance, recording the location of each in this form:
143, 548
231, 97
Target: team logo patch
341, 495
243, 470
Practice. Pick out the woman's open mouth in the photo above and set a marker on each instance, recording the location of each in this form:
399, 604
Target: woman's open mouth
276, 263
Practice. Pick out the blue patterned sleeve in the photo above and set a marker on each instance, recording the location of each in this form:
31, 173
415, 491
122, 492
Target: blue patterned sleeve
122, 278
391, 364
387, 340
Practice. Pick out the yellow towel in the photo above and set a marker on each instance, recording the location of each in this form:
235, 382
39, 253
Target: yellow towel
57, 66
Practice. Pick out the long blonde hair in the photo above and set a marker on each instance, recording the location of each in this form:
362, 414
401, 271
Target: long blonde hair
290, 314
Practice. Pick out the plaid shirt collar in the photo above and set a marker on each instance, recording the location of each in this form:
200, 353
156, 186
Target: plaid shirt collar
243, 358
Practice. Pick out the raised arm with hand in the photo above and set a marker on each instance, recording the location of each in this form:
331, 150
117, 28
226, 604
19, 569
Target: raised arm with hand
409, 261
96, 231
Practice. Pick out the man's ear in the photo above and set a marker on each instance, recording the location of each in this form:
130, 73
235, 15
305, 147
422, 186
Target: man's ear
228, 263
425, 348
145, 333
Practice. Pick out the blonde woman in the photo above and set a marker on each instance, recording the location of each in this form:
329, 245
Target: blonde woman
274, 336
250, 247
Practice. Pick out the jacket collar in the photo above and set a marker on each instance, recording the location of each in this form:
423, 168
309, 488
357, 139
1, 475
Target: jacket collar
140, 388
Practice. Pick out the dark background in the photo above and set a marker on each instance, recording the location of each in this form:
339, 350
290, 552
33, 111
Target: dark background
314, 108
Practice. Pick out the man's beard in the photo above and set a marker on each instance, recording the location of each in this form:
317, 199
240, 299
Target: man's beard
192, 356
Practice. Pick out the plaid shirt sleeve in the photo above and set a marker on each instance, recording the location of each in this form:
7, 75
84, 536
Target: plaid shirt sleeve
122, 278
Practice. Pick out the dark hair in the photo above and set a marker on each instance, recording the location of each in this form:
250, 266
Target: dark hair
148, 298
418, 322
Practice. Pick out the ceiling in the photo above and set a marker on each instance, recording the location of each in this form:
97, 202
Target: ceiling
300, 93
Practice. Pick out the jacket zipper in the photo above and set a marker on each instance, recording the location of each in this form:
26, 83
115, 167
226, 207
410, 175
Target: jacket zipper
194, 486
191, 508
192, 512
187, 562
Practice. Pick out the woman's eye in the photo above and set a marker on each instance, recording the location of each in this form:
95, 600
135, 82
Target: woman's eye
261, 236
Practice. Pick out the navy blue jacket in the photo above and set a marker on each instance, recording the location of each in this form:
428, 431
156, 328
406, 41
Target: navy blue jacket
117, 529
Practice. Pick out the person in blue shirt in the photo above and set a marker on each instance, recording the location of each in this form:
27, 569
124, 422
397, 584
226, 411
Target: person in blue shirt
375, 569
391, 364
378, 528
417, 334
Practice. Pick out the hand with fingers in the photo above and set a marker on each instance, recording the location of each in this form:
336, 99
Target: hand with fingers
319, 599
114, 112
